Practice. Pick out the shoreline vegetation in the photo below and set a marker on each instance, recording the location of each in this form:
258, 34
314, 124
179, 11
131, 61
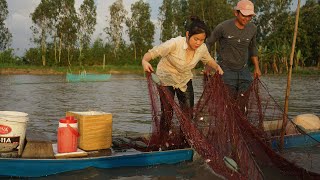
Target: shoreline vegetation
38, 70
126, 69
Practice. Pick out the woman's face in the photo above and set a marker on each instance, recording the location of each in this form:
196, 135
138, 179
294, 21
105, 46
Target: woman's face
196, 40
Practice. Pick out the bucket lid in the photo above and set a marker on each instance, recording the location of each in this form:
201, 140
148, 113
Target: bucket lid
68, 119
72, 118
14, 116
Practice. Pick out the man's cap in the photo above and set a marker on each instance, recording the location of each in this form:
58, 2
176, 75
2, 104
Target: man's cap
246, 7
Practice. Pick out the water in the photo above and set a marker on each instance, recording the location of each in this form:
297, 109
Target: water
47, 98
304, 95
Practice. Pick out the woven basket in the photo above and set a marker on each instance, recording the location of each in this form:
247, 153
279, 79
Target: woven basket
95, 129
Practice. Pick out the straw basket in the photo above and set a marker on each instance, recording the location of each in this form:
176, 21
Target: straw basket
95, 129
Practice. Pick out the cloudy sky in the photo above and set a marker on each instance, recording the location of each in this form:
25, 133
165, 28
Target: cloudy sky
19, 21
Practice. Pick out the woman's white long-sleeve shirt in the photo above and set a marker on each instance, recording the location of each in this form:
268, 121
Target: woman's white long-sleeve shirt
174, 69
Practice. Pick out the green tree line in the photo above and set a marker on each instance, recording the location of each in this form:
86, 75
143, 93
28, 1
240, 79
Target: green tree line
63, 35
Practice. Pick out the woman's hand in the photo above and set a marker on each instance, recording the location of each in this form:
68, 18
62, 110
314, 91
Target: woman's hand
214, 65
219, 70
147, 66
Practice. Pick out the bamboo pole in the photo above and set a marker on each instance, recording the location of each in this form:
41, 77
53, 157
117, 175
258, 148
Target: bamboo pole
286, 104
104, 61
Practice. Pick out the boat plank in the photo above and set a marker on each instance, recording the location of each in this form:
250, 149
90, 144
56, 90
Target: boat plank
38, 145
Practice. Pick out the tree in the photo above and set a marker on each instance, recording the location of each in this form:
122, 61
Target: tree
5, 35
166, 19
7, 57
270, 17
87, 22
55, 18
32, 56
212, 12
96, 52
309, 39
114, 29
140, 28
41, 18
67, 28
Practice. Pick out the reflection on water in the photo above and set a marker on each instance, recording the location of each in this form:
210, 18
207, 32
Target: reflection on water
304, 95
47, 98
308, 158
187, 170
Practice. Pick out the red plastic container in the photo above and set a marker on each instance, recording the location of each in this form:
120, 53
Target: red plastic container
68, 135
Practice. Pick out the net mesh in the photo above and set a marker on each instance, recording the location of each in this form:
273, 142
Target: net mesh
230, 134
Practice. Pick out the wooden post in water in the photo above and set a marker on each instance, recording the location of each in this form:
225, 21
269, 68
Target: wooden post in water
286, 104
104, 61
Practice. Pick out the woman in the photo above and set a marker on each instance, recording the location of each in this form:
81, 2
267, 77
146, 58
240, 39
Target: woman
178, 57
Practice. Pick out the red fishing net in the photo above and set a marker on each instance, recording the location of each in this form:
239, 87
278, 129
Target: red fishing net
235, 137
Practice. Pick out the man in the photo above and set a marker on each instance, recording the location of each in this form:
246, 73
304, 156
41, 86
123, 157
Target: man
237, 42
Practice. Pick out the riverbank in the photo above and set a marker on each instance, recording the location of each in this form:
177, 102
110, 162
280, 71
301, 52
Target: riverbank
132, 69
13, 71
36, 70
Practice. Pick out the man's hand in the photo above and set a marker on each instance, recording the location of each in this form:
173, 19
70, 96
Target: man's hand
257, 72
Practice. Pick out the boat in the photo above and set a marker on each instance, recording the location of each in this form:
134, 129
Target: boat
21, 167
86, 77
37, 155
117, 158
294, 140
298, 140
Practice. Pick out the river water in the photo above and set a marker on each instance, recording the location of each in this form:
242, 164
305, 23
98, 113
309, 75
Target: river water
46, 99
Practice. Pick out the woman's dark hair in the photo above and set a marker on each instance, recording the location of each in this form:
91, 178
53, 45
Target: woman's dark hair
197, 26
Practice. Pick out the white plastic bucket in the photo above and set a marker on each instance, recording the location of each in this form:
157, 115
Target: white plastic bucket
12, 131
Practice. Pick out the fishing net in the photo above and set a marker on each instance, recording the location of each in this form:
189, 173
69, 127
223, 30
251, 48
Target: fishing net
235, 136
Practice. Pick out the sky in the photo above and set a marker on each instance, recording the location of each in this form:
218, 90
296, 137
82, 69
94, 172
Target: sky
19, 21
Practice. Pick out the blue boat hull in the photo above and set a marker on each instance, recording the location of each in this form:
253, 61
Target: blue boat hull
44, 167
299, 140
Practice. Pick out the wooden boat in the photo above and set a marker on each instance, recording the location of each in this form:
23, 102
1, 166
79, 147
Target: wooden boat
86, 77
292, 140
115, 159
40, 157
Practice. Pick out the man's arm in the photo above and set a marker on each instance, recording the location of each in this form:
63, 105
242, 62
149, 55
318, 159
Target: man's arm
255, 61
210, 41
214, 36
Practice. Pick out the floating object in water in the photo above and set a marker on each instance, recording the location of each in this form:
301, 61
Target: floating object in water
155, 79
139, 144
84, 77
231, 164
167, 144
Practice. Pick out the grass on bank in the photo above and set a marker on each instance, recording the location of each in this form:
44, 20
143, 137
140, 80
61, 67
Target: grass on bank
113, 69
124, 69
